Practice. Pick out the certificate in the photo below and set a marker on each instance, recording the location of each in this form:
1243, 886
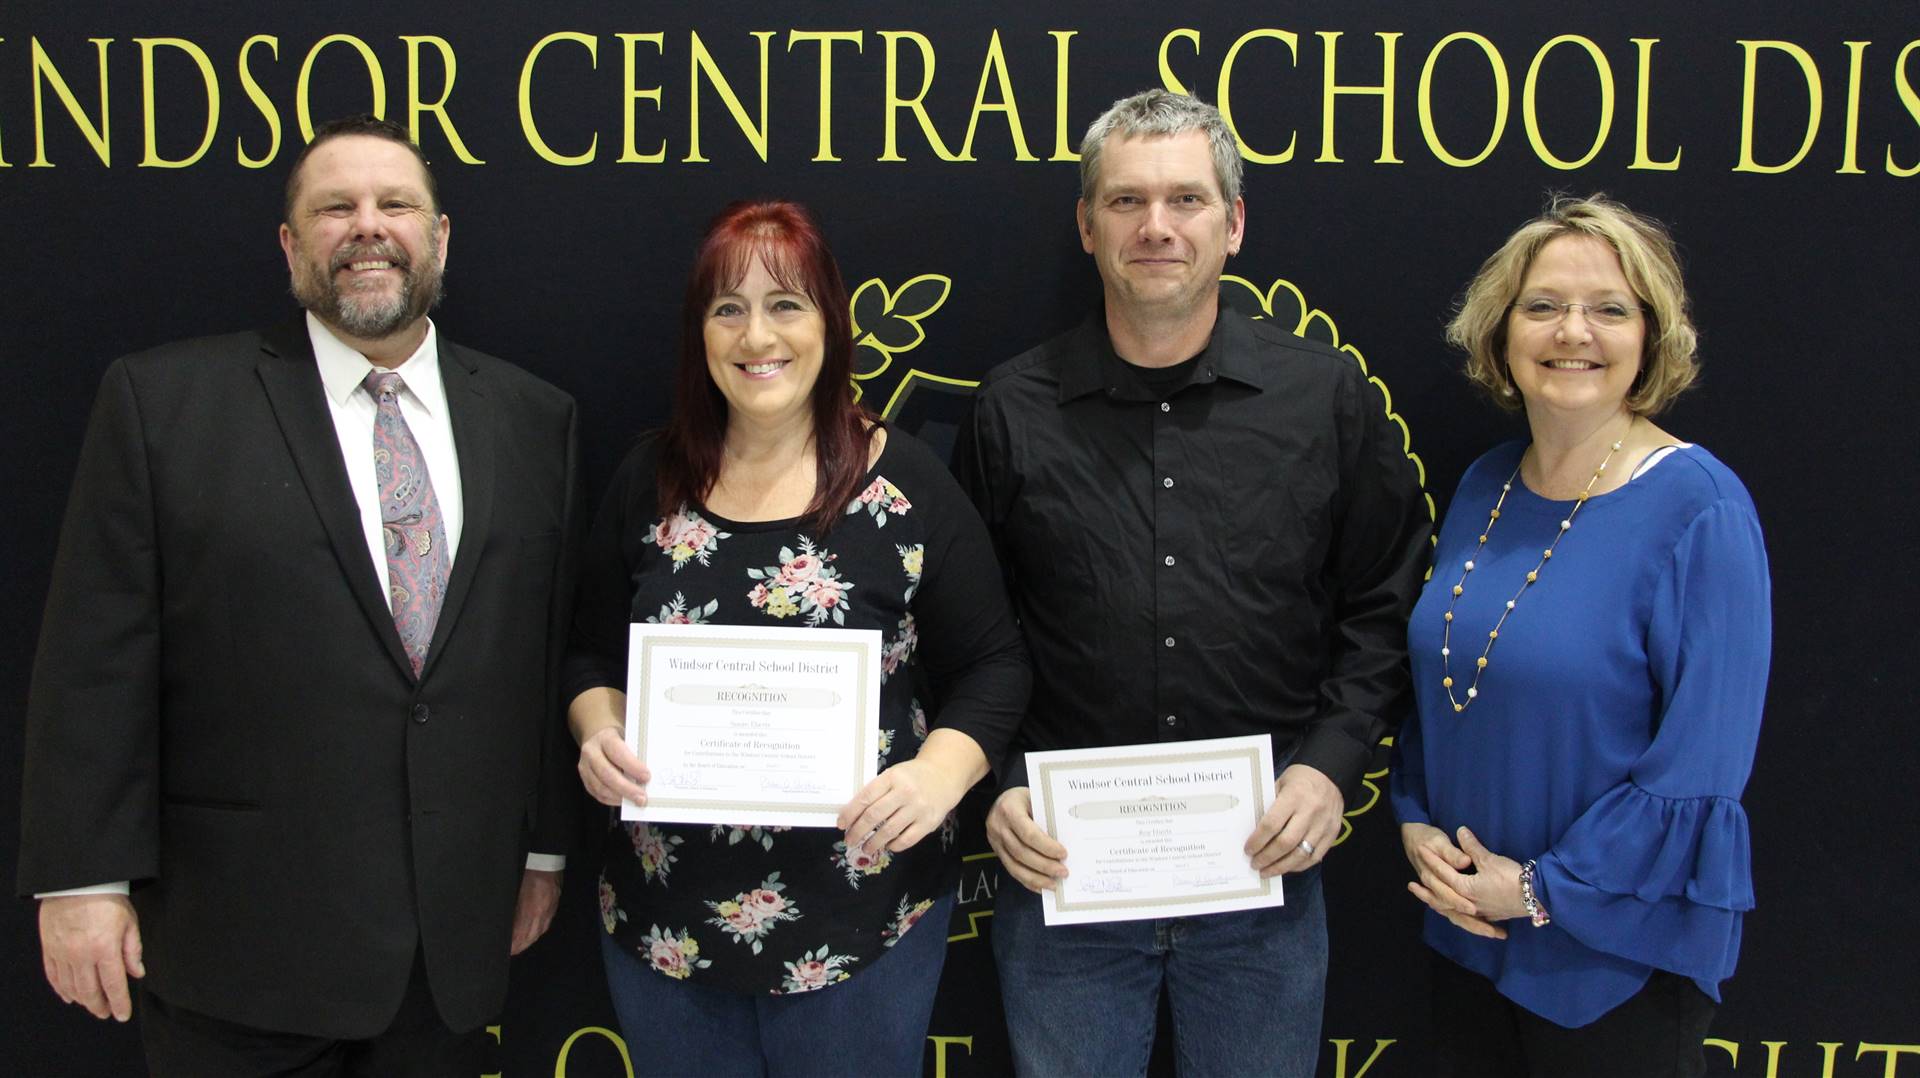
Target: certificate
1155, 830
744, 725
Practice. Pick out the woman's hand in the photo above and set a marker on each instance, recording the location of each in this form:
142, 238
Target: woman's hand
908, 801
1444, 888
608, 769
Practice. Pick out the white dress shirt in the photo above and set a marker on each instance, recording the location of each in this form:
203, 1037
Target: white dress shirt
423, 404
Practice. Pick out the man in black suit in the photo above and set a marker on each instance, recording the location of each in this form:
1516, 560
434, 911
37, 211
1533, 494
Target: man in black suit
292, 733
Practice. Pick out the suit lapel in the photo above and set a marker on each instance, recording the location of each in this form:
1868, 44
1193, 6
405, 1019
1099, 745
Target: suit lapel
474, 420
291, 379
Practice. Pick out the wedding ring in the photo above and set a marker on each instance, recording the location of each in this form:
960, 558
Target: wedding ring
1306, 847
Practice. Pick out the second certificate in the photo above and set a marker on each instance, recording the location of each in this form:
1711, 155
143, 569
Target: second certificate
1155, 830
739, 725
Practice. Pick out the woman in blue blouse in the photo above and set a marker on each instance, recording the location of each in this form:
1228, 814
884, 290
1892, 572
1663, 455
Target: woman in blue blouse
1590, 660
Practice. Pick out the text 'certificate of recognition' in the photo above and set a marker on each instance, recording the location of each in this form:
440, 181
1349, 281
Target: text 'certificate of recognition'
1155, 830
743, 725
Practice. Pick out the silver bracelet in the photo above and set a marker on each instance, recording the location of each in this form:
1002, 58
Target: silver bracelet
1535, 911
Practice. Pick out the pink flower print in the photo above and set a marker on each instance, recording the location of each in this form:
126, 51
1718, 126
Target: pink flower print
860, 861
801, 569
826, 594
918, 715
899, 649
686, 536
610, 912
880, 499
758, 596
816, 969
905, 917
655, 850
748, 916
675, 956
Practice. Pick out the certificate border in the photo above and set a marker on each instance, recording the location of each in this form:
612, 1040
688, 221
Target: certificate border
1251, 753
778, 636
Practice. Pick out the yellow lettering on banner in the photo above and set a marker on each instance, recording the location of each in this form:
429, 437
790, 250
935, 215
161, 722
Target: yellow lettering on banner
152, 158
303, 108
1223, 94
439, 108
1062, 149
566, 1049
1912, 101
261, 102
1828, 1049
1850, 153
915, 104
527, 127
1340, 1046
628, 154
940, 1052
1529, 113
1502, 99
995, 68
1330, 89
46, 75
494, 1032
702, 62
1641, 105
1729, 1047
1808, 71
1168, 79
826, 40
1893, 1051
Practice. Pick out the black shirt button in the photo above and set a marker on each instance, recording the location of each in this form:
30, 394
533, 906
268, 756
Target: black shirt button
420, 713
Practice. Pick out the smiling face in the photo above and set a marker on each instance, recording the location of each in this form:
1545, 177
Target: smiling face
363, 245
1570, 366
1158, 227
765, 344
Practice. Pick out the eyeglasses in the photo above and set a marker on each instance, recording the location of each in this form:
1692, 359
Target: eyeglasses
1605, 313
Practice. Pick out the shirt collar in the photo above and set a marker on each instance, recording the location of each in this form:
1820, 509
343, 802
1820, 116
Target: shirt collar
1229, 354
342, 368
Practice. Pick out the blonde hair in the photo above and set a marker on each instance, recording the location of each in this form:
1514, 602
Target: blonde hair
1668, 362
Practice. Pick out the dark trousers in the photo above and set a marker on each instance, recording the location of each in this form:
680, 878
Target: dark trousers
1479, 1033
187, 1044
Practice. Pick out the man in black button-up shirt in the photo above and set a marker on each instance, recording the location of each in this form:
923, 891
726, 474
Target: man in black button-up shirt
1210, 528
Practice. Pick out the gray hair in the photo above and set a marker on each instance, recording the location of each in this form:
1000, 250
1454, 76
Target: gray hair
1157, 114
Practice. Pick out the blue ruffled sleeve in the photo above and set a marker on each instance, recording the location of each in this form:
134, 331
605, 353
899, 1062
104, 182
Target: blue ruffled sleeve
1656, 870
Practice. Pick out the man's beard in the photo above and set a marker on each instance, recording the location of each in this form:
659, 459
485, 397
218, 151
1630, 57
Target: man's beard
372, 315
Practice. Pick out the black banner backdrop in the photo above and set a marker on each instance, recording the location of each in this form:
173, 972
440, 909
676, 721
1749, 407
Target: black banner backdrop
1390, 147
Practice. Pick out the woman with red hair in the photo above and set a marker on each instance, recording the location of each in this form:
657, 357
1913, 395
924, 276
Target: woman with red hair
773, 499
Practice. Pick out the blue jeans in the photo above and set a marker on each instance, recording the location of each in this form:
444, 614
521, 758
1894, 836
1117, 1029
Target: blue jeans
1245, 988
874, 1023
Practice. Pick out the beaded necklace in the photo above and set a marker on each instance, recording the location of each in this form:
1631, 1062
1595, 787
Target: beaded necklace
1446, 632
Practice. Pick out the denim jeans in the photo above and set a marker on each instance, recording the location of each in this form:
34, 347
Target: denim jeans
874, 1023
1245, 989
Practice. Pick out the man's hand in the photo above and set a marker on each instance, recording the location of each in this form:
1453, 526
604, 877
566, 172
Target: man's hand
1300, 826
1028, 853
90, 945
539, 896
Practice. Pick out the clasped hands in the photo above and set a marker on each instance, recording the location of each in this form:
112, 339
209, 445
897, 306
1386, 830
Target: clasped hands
1468, 884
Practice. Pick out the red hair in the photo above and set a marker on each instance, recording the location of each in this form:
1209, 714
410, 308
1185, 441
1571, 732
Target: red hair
787, 240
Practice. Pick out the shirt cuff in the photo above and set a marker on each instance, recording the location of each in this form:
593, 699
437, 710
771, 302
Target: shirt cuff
117, 887
547, 862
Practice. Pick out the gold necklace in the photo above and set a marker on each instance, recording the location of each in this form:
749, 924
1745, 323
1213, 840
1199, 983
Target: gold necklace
1446, 632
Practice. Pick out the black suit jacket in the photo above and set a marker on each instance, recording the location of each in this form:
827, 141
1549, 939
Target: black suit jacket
223, 714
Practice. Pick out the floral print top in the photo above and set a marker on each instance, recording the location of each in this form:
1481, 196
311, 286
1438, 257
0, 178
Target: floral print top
775, 909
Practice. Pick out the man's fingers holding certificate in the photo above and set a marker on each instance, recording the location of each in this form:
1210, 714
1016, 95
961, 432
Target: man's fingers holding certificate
1027, 852
1300, 826
609, 769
